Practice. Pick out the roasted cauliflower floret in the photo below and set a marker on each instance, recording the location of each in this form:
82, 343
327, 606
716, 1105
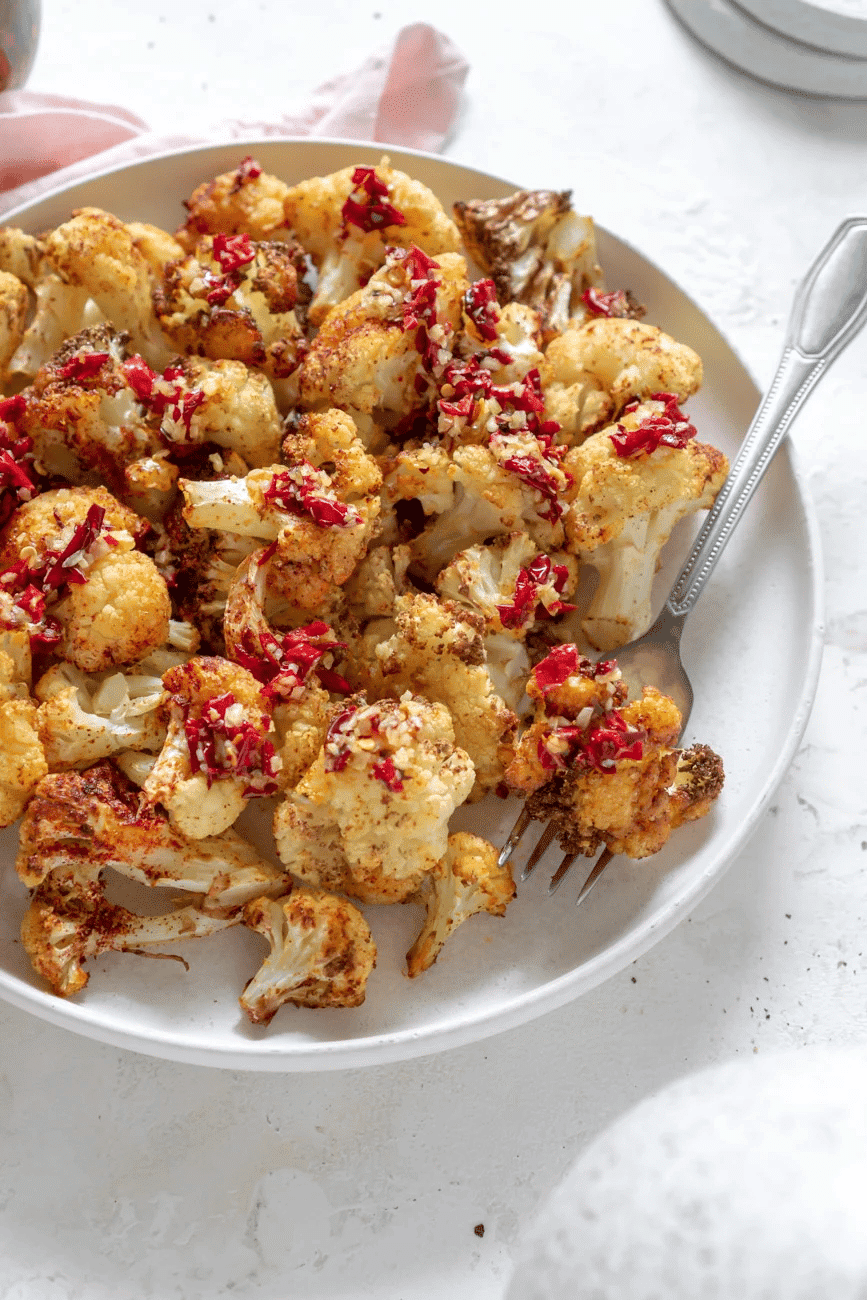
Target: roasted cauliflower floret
95, 251
510, 585
22, 758
321, 520
73, 577
370, 817
322, 953
85, 717
244, 201
79, 824
14, 301
467, 880
296, 668
347, 220
594, 369
70, 920
83, 413
632, 483
218, 751
238, 299
373, 354
607, 774
535, 248
438, 650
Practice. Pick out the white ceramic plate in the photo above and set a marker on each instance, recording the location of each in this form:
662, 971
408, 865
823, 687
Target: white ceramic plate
753, 650
727, 29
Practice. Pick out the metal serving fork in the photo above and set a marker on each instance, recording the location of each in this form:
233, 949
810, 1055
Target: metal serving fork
829, 309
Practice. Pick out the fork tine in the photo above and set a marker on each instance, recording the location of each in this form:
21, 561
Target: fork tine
515, 837
545, 839
599, 866
560, 874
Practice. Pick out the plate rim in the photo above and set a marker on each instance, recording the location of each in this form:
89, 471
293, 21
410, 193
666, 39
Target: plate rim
262, 1055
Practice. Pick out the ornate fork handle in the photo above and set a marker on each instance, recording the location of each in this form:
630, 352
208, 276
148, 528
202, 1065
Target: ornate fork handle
829, 308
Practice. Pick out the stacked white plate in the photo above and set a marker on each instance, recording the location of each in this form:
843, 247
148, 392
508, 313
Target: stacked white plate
816, 46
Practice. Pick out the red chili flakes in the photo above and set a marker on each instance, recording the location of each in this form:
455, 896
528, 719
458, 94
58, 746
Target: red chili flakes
525, 599
16, 469
284, 661
533, 472
36, 587
670, 428
367, 205
224, 749
561, 663
299, 491
598, 748
248, 170
165, 395
83, 366
341, 741
386, 772
481, 306
615, 303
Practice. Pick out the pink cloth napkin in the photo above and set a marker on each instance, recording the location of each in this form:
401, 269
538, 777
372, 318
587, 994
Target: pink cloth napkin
406, 94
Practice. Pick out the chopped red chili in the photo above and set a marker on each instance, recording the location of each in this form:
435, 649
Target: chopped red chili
367, 206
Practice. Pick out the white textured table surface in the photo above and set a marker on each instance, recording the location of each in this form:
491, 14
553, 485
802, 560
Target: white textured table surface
125, 1177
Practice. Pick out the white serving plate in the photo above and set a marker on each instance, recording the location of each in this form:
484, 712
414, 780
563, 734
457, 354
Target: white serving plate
766, 53
753, 648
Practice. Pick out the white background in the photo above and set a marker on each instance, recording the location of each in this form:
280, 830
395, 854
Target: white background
125, 1177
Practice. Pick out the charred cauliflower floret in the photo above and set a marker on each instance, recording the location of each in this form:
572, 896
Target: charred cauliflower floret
246, 201
536, 249
95, 251
218, 752
467, 881
608, 773
347, 220
593, 370
22, 758
373, 354
320, 520
72, 576
438, 650
632, 483
79, 824
238, 299
70, 921
83, 413
322, 953
370, 817
296, 668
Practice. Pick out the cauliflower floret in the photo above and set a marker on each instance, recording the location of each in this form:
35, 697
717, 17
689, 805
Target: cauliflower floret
236, 299
82, 413
218, 751
244, 201
84, 717
79, 824
370, 817
320, 520
21, 254
373, 354
322, 953
296, 668
604, 772
13, 317
438, 650
535, 248
22, 759
70, 920
72, 575
467, 880
510, 585
630, 490
95, 251
512, 485
238, 410
594, 369
156, 246
347, 220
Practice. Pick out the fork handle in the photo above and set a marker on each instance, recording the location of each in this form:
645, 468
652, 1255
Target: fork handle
829, 309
